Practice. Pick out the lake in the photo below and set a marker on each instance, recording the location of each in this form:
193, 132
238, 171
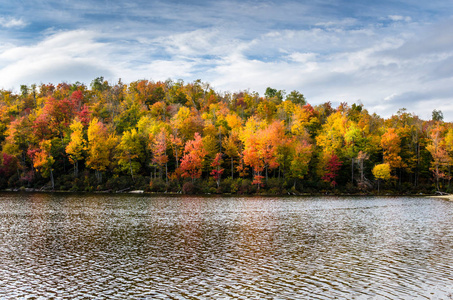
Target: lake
100, 246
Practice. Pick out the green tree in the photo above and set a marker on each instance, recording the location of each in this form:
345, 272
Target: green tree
437, 115
296, 98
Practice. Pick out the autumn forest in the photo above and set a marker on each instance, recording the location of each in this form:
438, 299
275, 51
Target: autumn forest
179, 137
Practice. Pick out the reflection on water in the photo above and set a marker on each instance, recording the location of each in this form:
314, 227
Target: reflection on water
139, 247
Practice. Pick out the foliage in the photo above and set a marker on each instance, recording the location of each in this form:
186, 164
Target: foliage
332, 167
176, 136
382, 171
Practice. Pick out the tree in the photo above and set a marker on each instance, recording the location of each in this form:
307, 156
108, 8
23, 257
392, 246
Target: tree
361, 157
331, 170
211, 147
391, 145
271, 138
9, 165
100, 147
43, 160
437, 115
130, 152
300, 158
192, 161
77, 146
159, 149
177, 146
271, 93
217, 171
253, 154
232, 146
381, 172
296, 98
58, 114
186, 122
441, 159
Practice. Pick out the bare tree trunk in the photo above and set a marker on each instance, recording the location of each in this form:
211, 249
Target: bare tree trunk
51, 179
130, 167
166, 173
352, 170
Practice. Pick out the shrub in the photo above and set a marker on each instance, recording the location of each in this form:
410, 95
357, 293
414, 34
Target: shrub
274, 185
189, 188
141, 183
225, 185
157, 185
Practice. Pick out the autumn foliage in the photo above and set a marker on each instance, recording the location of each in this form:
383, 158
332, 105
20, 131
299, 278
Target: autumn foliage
161, 136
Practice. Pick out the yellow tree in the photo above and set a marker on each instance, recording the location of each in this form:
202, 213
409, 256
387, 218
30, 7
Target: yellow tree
449, 148
232, 146
186, 122
100, 147
130, 152
300, 158
381, 172
76, 147
330, 140
439, 153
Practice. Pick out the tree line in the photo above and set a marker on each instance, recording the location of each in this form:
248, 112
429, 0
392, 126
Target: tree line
174, 136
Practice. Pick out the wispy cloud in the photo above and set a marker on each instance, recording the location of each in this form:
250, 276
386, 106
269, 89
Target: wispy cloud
12, 23
62, 56
398, 18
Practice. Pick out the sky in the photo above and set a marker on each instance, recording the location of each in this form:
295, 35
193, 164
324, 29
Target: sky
386, 55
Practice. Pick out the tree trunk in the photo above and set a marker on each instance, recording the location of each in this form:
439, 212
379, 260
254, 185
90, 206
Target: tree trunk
130, 167
51, 179
352, 170
266, 175
232, 169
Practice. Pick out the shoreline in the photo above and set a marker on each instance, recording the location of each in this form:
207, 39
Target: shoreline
448, 197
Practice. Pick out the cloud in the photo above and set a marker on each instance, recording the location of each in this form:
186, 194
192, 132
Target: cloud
64, 56
398, 18
384, 55
12, 23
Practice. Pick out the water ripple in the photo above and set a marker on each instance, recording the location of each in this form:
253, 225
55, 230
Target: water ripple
130, 247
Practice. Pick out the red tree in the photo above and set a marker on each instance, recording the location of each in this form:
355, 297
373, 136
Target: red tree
217, 171
332, 168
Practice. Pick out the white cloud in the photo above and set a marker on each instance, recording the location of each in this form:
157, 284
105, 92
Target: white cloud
64, 56
398, 18
340, 23
12, 23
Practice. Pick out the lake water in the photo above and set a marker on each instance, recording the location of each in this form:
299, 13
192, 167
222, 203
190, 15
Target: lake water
148, 247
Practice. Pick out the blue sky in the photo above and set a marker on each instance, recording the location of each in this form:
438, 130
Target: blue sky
384, 54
